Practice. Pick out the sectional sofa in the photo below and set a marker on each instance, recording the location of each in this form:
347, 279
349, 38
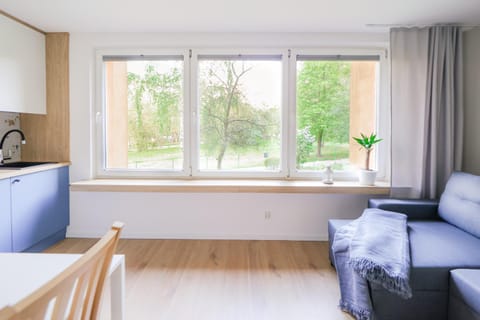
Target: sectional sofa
445, 253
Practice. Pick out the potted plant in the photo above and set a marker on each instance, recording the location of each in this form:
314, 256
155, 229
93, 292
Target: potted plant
367, 176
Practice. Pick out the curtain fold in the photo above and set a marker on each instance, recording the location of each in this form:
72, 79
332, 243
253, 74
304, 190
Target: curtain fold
427, 108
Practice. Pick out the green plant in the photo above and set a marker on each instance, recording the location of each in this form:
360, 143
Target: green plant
305, 142
367, 143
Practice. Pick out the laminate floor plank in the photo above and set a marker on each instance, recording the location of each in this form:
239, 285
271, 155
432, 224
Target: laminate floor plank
225, 279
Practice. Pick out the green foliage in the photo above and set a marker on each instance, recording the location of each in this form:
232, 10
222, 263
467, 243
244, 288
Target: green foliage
272, 163
227, 120
156, 116
367, 142
323, 101
305, 147
136, 90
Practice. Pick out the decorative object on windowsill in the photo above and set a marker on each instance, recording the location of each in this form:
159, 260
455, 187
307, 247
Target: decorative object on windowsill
367, 176
328, 175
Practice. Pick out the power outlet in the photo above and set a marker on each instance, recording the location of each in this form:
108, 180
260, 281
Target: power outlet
268, 215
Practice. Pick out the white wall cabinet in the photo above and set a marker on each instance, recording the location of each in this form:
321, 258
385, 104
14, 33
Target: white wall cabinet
22, 68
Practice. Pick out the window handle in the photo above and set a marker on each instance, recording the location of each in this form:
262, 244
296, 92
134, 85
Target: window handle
98, 117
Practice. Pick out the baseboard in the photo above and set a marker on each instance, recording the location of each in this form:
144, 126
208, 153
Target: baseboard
147, 235
47, 242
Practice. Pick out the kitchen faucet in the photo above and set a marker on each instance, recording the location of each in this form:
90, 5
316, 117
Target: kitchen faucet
3, 140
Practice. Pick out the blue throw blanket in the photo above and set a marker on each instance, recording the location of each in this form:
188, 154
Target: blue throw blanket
373, 247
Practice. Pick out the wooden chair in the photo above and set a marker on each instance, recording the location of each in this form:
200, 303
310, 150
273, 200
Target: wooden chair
76, 292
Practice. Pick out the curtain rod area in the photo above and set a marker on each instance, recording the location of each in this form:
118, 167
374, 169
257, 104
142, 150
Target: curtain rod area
421, 25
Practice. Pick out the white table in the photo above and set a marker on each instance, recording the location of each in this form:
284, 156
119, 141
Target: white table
22, 273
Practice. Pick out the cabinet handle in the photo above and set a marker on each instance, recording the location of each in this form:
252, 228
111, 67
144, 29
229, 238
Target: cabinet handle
15, 181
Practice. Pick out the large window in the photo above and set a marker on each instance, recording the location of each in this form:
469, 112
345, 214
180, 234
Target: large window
336, 98
143, 99
285, 113
240, 113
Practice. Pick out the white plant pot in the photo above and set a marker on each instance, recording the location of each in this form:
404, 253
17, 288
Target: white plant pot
367, 177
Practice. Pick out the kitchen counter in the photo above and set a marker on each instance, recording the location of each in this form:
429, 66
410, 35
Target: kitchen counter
9, 173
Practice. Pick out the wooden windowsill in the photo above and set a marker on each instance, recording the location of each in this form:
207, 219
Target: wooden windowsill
248, 186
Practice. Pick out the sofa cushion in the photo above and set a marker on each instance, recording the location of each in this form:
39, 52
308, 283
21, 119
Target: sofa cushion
436, 247
460, 202
465, 286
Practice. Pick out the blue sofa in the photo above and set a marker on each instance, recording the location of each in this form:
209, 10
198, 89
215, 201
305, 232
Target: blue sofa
444, 236
464, 299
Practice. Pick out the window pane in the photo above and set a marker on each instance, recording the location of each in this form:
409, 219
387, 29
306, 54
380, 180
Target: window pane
144, 113
240, 113
335, 101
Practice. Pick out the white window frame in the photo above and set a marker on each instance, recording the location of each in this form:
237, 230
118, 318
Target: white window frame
100, 112
191, 146
382, 112
196, 172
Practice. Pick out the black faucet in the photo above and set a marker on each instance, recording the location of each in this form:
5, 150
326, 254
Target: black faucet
3, 140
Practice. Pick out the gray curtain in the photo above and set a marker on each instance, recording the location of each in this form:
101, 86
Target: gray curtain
427, 108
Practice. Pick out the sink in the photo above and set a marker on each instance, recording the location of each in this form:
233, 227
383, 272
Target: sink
21, 164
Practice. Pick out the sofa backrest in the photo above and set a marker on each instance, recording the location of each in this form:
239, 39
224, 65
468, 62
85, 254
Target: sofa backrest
460, 202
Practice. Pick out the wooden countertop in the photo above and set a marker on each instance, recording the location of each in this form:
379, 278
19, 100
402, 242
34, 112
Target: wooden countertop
9, 173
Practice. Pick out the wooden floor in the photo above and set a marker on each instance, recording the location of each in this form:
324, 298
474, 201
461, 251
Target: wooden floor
223, 280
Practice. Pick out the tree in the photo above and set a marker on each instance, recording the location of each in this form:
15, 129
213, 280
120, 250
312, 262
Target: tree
165, 90
156, 101
136, 91
323, 101
227, 119
304, 145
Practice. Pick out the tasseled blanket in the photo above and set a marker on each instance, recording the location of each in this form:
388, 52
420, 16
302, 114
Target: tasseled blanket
372, 248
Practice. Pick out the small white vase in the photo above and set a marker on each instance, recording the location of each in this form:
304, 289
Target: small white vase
367, 177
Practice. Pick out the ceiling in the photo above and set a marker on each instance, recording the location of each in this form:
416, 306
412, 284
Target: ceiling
239, 15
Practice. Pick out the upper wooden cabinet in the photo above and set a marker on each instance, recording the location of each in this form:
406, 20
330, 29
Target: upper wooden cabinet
22, 68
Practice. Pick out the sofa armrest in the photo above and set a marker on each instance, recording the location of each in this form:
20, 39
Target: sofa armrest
415, 209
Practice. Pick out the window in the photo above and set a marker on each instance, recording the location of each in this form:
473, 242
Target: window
144, 111
277, 113
240, 113
336, 98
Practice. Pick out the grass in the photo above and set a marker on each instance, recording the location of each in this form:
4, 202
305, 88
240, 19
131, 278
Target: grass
167, 152
331, 151
250, 157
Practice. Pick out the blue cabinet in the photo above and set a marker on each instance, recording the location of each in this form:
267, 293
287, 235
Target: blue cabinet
5, 217
39, 206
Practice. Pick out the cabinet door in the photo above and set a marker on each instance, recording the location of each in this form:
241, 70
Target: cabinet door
5, 220
22, 68
40, 206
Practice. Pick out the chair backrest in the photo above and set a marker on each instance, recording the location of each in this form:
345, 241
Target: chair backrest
76, 292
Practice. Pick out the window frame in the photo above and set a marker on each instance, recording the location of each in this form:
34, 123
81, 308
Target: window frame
195, 99
100, 116
382, 112
288, 170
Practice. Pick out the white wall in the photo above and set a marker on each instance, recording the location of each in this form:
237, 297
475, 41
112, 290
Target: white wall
471, 55
193, 215
211, 215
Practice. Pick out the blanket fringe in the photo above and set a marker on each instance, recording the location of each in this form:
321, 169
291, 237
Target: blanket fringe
358, 313
375, 273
